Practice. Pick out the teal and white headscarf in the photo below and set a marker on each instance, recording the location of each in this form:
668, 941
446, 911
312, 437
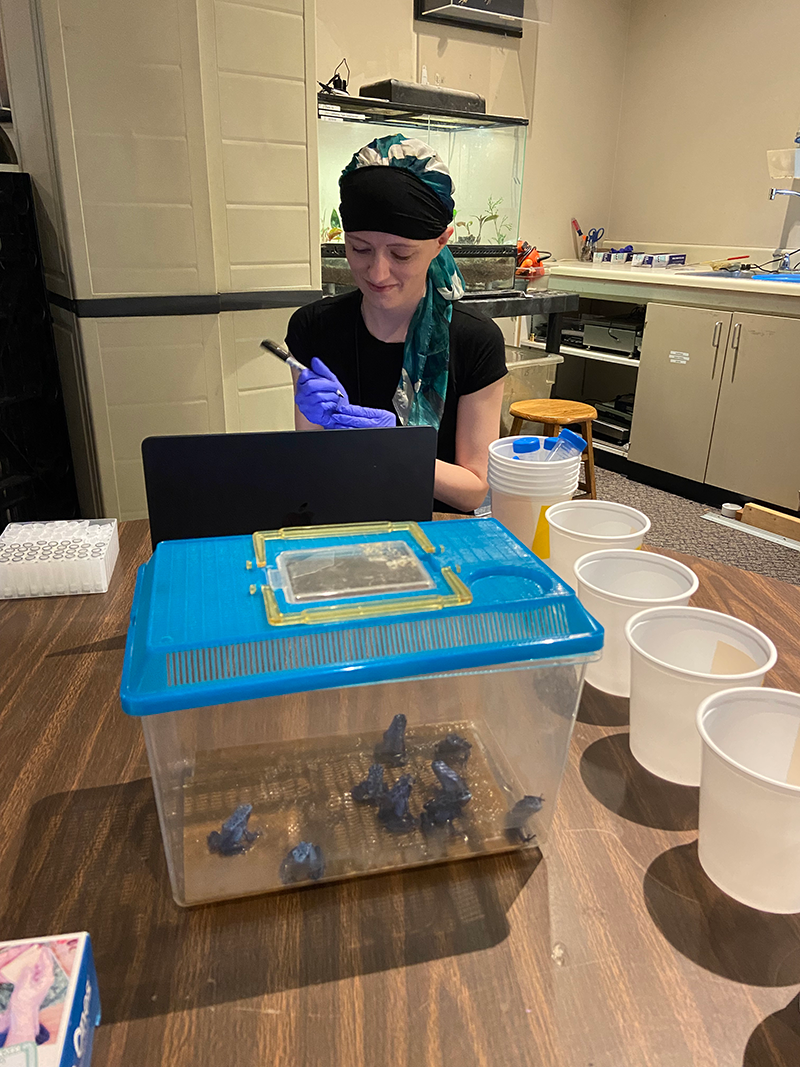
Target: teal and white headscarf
416, 202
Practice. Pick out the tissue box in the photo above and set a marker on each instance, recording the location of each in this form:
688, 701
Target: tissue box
49, 1003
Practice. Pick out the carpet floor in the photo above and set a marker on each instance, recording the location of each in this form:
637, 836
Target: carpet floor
678, 524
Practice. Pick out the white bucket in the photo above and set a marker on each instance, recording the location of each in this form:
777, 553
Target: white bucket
615, 584
501, 456
519, 484
680, 656
582, 526
524, 516
749, 830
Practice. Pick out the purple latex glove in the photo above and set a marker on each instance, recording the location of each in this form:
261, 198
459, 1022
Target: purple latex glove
319, 393
352, 417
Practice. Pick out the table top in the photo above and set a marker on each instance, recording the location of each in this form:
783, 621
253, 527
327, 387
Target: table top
612, 950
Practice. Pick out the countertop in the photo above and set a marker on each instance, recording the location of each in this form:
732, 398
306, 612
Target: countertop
674, 286
611, 950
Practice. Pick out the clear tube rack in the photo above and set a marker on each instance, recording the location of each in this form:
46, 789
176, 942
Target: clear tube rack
60, 558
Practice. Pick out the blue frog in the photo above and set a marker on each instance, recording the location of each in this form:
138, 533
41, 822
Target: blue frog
234, 837
372, 788
305, 861
393, 806
392, 748
519, 815
454, 749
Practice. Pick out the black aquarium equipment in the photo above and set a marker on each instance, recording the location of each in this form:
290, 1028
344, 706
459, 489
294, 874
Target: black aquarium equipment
36, 474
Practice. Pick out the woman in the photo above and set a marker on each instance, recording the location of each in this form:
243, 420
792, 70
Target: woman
400, 349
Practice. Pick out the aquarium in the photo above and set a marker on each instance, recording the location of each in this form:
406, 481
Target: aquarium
484, 153
320, 703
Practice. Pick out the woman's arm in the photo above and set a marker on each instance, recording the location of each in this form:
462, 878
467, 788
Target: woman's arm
463, 484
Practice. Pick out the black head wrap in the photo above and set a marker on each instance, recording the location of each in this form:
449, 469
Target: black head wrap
391, 200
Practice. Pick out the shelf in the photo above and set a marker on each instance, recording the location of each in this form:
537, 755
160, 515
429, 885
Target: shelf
607, 446
585, 353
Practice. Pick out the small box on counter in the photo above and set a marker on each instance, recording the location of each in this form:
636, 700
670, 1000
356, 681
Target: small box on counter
669, 259
641, 259
49, 1003
601, 257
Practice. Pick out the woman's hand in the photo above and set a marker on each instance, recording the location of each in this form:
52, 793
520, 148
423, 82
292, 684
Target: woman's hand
318, 393
352, 417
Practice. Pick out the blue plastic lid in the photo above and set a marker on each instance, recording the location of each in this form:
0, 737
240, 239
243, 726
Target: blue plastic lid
200, 631
526, 444
573, 439
550, 442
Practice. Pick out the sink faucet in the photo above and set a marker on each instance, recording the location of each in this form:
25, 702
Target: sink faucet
782, 192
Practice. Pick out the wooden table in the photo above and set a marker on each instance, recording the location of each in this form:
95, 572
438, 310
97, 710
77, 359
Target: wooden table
612, 951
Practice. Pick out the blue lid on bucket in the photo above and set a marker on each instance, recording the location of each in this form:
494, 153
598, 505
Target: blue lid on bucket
226, 619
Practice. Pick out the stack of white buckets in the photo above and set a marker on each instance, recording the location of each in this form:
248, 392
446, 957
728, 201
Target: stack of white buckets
698, 714
523, 490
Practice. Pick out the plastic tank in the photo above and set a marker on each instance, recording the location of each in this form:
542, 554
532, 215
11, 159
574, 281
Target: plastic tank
325, 702
485, 155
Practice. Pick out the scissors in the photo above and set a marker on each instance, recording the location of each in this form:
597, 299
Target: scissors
594, 237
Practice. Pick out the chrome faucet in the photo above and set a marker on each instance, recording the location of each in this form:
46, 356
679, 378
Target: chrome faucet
782, 192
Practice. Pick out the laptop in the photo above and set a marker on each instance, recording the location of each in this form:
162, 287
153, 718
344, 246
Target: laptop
217, 485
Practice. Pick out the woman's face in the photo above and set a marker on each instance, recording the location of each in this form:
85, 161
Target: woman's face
390, 271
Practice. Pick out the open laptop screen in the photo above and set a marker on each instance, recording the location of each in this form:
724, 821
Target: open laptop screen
216, 485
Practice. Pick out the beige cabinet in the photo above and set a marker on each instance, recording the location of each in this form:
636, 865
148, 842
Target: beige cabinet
716, 400
677, 387
755, 446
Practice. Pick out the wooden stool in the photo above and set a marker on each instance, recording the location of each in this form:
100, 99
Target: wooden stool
554, 415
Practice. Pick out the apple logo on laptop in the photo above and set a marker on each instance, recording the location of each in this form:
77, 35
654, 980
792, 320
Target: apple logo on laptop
303, 517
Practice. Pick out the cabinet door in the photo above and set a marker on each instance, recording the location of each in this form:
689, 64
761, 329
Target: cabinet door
755, 447
677, 388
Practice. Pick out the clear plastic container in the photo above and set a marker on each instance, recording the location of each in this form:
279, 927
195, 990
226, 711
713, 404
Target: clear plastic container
749, 828
680, 656
281, 730
615, 584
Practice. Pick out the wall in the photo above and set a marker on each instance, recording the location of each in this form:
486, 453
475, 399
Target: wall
573, 104
709, 87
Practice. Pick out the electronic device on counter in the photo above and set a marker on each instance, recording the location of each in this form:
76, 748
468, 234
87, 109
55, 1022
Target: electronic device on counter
218, 485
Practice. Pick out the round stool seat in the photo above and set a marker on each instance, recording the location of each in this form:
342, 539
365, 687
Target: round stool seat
562, 412
554, 415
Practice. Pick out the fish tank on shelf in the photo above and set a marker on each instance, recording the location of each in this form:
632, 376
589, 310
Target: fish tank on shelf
485, 155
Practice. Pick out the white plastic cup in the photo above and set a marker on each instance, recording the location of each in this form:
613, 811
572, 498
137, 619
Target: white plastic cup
680, 656
615, 584
749, 830
524, 516
581, 526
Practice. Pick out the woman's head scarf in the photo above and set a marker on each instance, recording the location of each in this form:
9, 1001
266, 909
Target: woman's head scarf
399, 185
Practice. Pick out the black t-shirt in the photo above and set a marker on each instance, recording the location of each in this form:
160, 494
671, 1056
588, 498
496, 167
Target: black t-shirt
333, 330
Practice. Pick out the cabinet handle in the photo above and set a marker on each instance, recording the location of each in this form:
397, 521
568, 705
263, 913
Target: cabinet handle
737, 332
715, 346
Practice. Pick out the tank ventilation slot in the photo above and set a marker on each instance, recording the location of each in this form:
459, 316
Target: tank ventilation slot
357, 645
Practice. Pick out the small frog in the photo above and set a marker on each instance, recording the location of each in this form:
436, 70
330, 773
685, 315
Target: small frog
519, 815
448, 803
372, 788
439, 812
454, 749
392, 749
234, 837
393, 806
305, 861
452, 784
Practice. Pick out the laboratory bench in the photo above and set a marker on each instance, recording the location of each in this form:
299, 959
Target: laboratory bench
613, 949
709, 384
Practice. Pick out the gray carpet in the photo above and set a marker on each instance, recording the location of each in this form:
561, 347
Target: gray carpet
678, 524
